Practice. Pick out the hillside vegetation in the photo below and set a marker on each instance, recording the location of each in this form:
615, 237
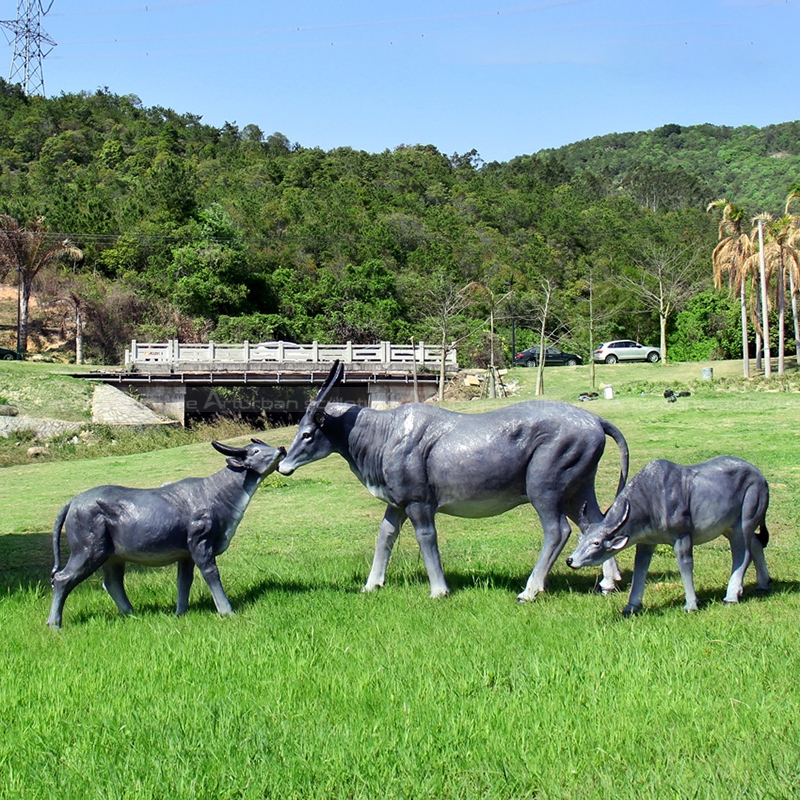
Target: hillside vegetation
749, 165
198, 232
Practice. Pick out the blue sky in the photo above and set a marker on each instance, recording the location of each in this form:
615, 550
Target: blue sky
504, 77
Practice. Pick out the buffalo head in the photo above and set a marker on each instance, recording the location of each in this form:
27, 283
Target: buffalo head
310, 443
257, 456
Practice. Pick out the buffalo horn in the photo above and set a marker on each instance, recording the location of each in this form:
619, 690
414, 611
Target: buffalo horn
229, 451
333, 379
622, 517
583, 520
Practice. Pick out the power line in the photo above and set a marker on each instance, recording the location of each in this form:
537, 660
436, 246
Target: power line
30, 41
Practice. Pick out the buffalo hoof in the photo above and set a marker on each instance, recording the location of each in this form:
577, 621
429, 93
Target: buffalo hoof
605, 590
440, 593
631, 611
526, 597
373, 588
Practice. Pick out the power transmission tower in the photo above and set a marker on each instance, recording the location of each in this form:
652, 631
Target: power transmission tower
30, 41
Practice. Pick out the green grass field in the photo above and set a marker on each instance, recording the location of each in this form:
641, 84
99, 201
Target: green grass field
314, 690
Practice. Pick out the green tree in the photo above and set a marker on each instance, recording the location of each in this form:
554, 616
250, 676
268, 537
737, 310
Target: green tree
208, 275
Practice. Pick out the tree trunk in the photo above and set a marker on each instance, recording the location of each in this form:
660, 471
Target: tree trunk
781, 319
745, 337
543, 344
662, 325
764, 308
24, 301
663, 314
442, 367
795, 320
78, 332
592, 373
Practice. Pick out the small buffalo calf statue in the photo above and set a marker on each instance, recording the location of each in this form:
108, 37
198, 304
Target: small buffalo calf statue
683, 506
191, 521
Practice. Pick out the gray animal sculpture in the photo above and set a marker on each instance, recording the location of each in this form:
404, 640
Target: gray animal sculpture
191, 521
420, 459
683, 506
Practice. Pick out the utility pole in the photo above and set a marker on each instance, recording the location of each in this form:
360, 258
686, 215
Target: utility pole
32, 45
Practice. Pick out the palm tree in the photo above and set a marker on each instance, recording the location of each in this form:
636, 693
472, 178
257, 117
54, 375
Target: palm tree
730, 257
27, 251
780, 258
794, 239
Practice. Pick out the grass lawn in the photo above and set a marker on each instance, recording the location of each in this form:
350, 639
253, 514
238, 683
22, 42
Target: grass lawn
314, 690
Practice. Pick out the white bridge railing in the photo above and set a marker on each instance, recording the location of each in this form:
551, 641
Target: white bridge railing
216, 356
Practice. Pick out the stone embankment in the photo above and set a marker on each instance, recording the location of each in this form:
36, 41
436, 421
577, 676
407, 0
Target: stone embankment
110, 406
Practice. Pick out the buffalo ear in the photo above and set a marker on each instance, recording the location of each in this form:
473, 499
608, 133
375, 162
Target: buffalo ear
618, 543
583, 520
235, 463
319, 419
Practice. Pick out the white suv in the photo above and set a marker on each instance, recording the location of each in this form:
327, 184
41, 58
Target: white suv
625, 350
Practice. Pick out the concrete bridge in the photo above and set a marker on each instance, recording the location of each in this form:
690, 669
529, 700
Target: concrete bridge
174, 356
275, 380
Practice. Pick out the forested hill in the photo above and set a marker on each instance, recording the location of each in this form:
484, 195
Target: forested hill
752, 166
196, 232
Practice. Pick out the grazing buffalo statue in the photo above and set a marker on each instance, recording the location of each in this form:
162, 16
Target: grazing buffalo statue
683, 506
191, 522
421, 459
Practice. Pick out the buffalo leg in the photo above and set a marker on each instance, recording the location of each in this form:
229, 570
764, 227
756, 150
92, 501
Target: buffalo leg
80, 566
207, 564
641, 563
556, 532
763, 579
185, 578
393, 520
611, 575
114, 584
740, 561
684, 553
422, 519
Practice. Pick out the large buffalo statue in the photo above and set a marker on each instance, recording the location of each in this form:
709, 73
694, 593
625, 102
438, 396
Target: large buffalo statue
421, 459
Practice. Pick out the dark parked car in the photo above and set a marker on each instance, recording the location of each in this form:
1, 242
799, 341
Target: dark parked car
553, 358
9, 355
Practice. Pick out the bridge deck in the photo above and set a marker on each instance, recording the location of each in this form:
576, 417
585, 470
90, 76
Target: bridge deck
175, 356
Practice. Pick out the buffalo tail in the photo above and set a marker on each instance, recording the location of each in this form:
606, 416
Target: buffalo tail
763, 535
59, 524
624, 456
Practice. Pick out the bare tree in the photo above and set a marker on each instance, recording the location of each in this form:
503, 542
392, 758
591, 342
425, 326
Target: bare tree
608, 311
448, 302
667, 278
28, 251
547, 294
